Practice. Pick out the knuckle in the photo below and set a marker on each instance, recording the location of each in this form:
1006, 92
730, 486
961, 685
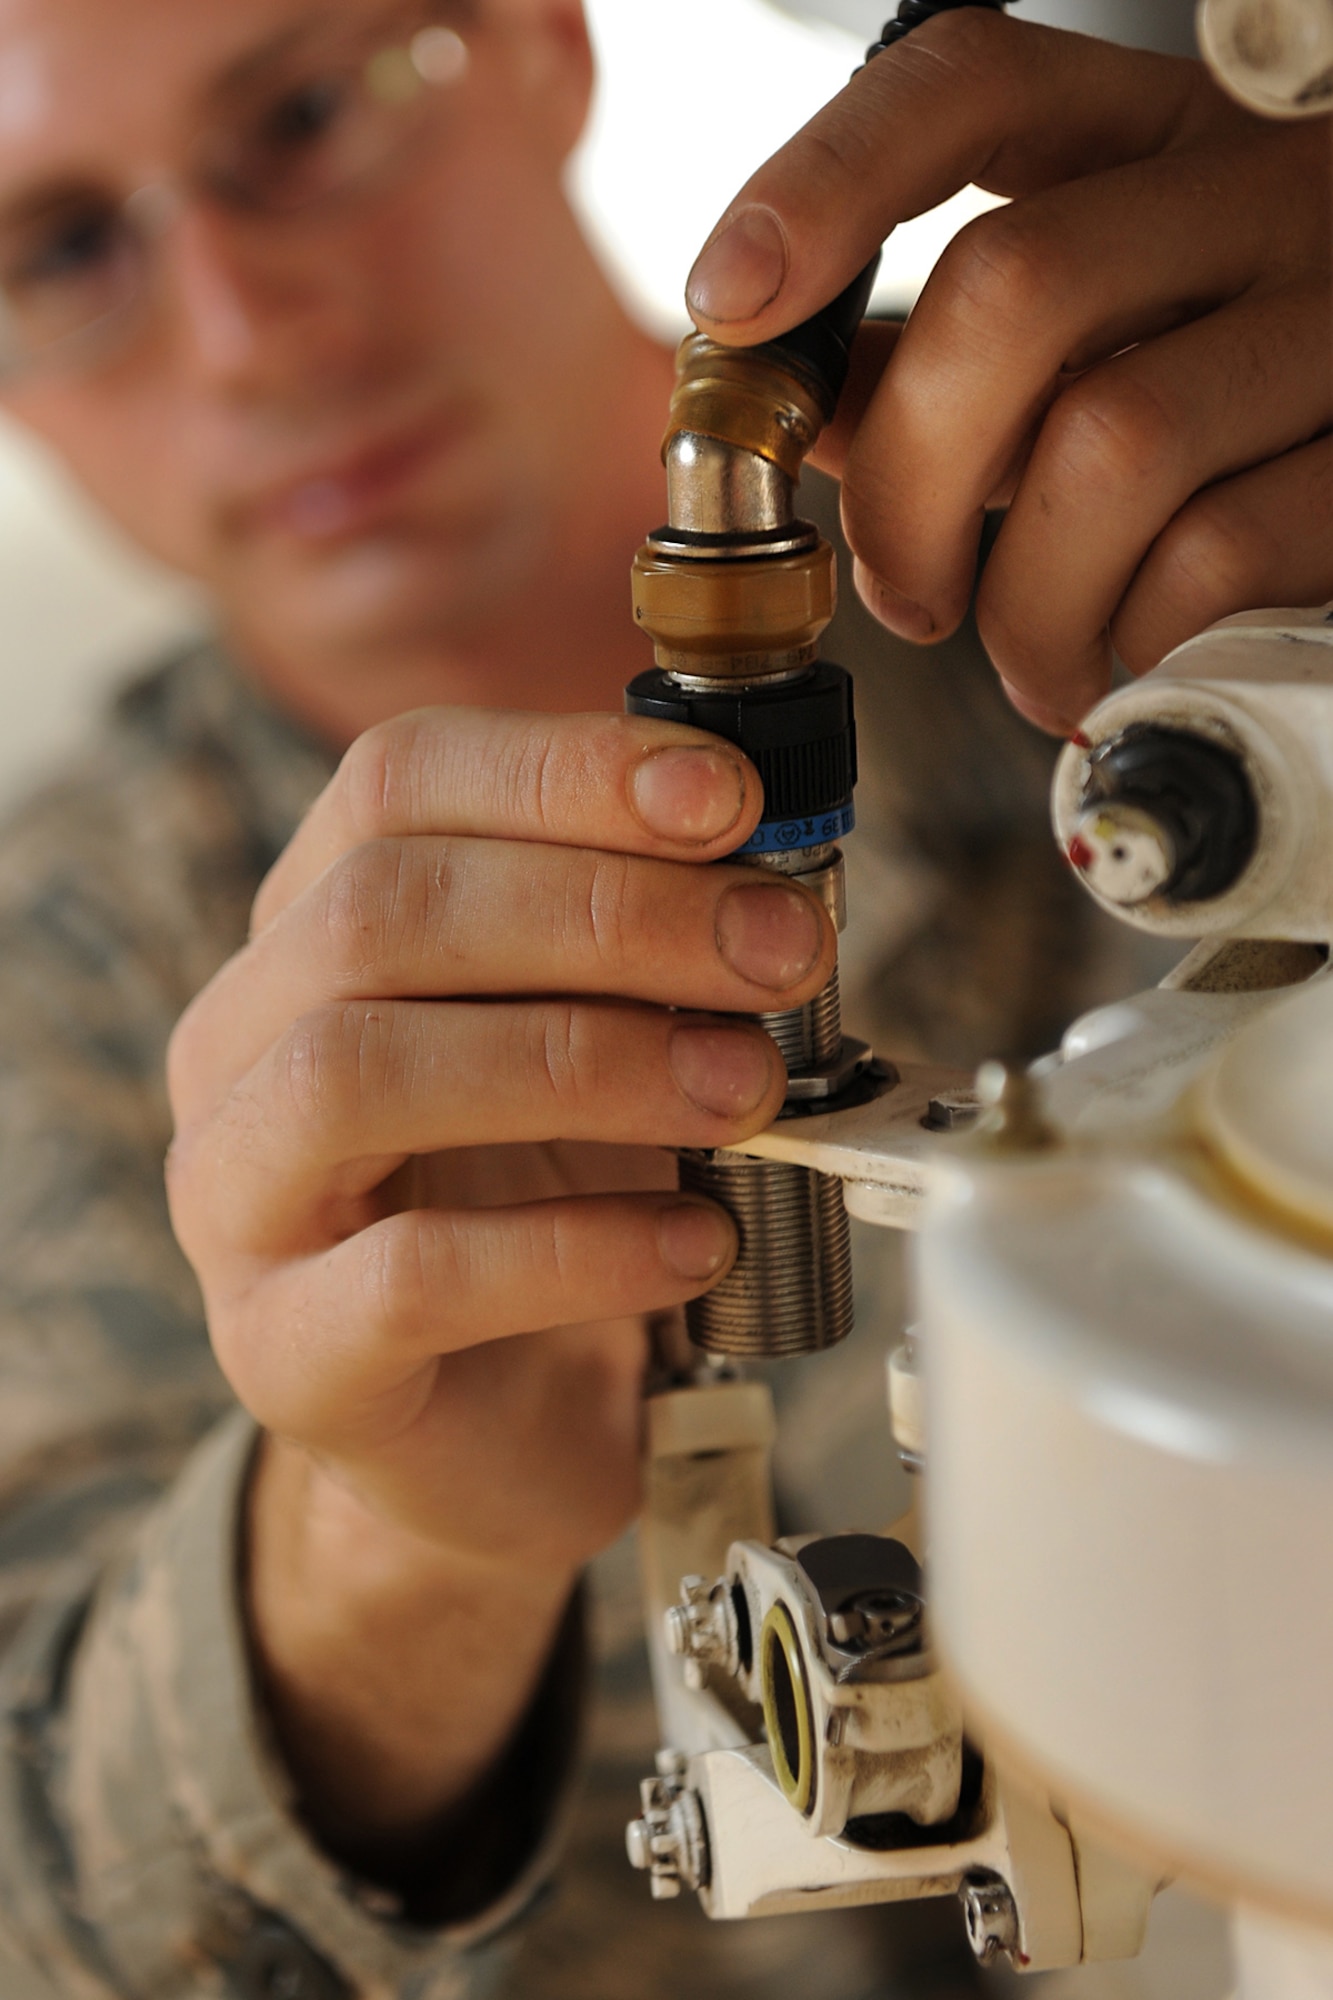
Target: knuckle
839, 147
1004, 275
532, 782
972, 40
564, 1057
330, 1067
405, 1282
1211, 553
380, 776
1112, 432
968, 46
551, 769
605, 913
377, 899
552, 1250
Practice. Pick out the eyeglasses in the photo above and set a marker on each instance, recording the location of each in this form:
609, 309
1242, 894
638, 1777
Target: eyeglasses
331, 117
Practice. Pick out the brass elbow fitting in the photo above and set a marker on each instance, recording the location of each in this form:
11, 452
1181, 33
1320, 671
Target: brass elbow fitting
733, 588
744, 397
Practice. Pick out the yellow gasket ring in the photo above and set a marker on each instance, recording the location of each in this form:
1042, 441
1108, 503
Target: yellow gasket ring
777, 1641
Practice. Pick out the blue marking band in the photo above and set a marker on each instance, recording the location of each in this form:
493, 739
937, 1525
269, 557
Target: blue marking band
785, 836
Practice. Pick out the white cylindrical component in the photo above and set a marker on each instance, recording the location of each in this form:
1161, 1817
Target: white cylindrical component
1276, 56
1130, 1505
1267, 1109
1278, 1961
907, 1417
1258, 688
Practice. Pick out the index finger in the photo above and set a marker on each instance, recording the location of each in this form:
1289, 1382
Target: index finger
970, 97
627, 784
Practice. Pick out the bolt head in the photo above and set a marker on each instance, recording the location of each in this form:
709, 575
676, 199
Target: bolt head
953, 1110
846, 1626
639, 1843
676, 1626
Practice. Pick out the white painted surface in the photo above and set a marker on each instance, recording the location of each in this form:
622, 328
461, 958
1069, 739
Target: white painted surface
1131, 1472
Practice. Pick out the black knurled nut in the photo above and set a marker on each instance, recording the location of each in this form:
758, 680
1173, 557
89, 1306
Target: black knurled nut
800, 735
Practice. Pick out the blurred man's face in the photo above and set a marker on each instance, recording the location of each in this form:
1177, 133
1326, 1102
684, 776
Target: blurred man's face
348, 418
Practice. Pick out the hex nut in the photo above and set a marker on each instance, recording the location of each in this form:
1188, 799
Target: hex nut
991, 1916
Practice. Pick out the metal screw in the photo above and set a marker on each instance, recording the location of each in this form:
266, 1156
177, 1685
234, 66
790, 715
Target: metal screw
991, 1915
953, 1110
884, 1620
670, 1840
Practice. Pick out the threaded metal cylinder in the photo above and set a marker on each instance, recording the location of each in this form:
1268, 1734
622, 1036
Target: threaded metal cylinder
790, 1289
810, 1034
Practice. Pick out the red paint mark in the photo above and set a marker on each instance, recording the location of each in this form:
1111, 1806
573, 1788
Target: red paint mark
1080, 741
1079, 852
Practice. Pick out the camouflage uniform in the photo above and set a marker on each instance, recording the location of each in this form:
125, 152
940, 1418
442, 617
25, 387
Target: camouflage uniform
149, 1844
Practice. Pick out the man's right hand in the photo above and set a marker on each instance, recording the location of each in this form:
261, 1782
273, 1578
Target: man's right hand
417, 1171
1131, 357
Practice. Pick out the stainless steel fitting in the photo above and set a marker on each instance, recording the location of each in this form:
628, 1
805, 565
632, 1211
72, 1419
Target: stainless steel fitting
790, 1290
991, 1917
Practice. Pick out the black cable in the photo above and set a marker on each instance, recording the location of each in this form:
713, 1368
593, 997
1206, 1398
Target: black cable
915, 13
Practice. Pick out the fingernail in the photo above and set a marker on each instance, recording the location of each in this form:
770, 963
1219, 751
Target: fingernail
741, 270
769, 934
687, 794
890, 607
726, 1071
694, 1239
